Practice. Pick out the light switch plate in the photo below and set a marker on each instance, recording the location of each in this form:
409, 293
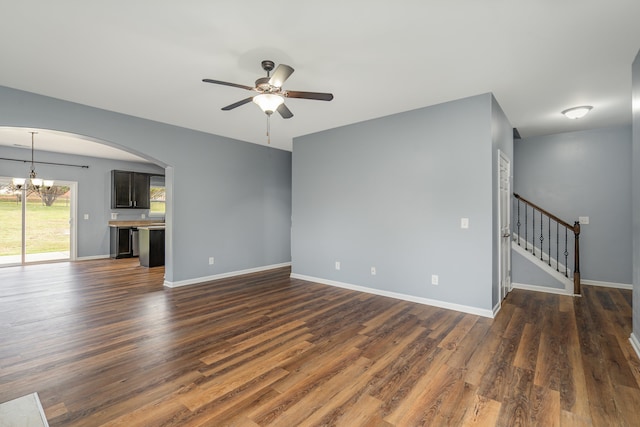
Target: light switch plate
114, 215
86, 216
464, 222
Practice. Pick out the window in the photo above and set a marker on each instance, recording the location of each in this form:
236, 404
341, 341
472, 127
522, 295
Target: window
158, 196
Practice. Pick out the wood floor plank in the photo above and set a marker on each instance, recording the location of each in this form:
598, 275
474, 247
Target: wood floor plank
527, 353
576, 402
545, 407
484, 412
422, 406
331, 399
516, 408
105, 344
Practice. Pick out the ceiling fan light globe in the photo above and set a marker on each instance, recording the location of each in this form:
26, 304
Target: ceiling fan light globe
268, 102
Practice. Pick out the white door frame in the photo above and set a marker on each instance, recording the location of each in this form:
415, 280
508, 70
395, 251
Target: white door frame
73, 220
504, 224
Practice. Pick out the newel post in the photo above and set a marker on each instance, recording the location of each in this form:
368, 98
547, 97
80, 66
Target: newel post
576, 259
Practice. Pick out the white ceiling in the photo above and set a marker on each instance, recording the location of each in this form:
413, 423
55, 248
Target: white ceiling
147, 58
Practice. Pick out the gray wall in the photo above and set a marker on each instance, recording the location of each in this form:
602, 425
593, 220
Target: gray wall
636, 195
583, 173
227, 199
94, 190
390, 193
528, 273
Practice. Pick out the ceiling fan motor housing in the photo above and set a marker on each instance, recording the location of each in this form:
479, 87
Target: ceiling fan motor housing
262, 84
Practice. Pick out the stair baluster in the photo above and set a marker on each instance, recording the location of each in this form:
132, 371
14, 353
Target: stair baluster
549, 244
575, 228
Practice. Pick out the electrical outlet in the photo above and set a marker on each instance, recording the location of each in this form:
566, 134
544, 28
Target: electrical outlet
337, 265
583, 219
211, 260
86, 216
434, 279
143, 216
373, 271
114, 215
464, 222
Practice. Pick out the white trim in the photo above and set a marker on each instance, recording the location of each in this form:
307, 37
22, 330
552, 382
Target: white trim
200, 280
405, 297
45, 423
498, 306
501, 294
545, 256
89, 258
537, 288
568, 283
606, 284
73, 213
635, 344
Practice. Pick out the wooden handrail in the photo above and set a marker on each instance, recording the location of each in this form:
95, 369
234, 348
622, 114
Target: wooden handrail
547, 213
576, 233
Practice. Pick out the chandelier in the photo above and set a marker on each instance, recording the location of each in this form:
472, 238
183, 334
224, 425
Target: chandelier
35, 181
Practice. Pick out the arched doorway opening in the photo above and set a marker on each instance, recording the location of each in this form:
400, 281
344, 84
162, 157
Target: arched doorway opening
82, 164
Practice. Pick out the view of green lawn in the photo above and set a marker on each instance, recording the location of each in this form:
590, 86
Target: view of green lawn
47, 226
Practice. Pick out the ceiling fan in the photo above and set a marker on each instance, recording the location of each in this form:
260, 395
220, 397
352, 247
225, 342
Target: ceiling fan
271, 95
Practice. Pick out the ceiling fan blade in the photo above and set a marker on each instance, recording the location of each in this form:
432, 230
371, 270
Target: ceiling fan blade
309, 95
284, 111
237, 104
281, 74
218, 82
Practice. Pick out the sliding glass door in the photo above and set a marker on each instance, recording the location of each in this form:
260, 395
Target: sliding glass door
37, 224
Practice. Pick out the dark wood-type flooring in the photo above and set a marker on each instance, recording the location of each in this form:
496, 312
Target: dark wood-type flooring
103, 343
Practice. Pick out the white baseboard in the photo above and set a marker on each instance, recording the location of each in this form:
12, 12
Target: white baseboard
89, 258
199, 280
606, 284
537, 288
404, 297
635, 344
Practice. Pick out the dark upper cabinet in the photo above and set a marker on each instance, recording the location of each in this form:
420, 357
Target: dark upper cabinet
141, 194
129, 190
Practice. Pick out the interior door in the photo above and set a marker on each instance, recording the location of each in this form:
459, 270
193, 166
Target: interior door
505, 223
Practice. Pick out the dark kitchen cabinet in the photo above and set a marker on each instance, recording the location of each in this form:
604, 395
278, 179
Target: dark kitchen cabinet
123, 242
130, 190
151, 246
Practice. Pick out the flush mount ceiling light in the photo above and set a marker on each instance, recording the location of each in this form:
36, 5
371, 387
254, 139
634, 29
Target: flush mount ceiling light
577, 112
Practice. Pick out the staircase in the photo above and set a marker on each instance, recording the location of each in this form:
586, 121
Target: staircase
547, 241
